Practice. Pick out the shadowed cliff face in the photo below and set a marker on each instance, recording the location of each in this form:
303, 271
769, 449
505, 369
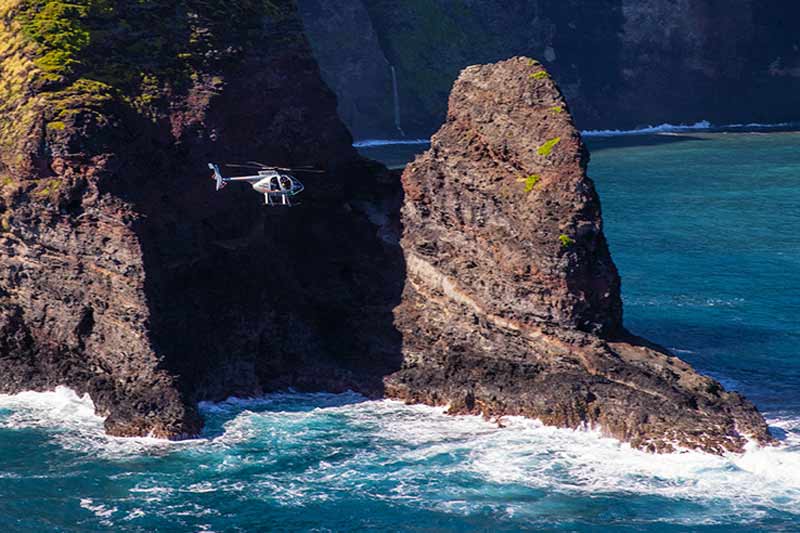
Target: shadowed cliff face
512, 305
620, 63
122, 273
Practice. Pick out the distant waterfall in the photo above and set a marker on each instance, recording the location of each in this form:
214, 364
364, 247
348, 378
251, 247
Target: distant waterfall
396, 93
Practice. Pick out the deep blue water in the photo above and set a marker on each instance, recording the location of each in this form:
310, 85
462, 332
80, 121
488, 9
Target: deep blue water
704, 229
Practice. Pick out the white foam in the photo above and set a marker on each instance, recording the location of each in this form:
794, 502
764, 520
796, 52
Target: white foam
71, 421
49, 409
662, 128
99, 510
418, 455
667, 128
404, 441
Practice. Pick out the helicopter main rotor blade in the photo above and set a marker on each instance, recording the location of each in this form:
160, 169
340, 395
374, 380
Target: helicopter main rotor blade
299, 168
234, 165
259, 166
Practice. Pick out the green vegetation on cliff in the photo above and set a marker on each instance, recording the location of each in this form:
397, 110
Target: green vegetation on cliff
547, 148
58, 29
68, 60
530, 182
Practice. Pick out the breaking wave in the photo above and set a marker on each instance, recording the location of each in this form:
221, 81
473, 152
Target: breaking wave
702, 125
70, 421
294, 449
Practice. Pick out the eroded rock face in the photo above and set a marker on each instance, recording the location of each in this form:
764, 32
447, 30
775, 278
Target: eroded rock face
512, 305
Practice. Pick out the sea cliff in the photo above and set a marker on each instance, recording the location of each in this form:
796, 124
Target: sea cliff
622, 64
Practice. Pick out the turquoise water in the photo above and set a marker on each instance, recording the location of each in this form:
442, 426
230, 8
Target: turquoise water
704, 231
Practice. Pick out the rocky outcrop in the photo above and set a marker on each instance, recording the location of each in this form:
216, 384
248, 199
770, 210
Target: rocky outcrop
512, 305
620, 63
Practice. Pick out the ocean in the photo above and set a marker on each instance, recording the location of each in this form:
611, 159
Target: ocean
704, 229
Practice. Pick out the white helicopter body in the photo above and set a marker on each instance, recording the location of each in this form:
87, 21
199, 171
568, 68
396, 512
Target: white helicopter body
277, 186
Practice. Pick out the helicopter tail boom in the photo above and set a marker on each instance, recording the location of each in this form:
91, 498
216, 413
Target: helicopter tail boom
221, 181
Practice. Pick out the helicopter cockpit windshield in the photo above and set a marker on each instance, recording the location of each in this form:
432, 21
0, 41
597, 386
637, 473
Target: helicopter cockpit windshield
274, 184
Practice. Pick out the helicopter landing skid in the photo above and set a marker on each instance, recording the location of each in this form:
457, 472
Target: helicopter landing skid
270, 200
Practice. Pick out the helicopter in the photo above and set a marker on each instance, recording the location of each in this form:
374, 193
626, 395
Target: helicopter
275, 183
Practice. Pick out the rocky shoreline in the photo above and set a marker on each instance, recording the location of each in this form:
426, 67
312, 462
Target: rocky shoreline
481, 279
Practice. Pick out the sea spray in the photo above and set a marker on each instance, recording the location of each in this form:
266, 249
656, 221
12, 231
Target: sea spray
70, 421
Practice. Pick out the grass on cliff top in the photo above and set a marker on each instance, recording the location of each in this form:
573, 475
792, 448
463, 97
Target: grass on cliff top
103, 35
566, 240
140, 47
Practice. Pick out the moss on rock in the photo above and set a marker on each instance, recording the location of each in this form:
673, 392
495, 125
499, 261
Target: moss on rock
547, 148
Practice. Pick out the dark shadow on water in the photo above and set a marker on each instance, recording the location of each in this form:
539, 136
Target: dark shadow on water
394, 156
397, 156
628, 141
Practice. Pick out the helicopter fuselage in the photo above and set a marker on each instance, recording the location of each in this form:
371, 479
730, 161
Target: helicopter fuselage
276, 186
270, 181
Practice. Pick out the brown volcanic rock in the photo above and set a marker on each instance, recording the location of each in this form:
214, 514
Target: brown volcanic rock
512, 305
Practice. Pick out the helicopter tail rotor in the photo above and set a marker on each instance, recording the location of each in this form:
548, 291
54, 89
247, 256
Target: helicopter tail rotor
217, 176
